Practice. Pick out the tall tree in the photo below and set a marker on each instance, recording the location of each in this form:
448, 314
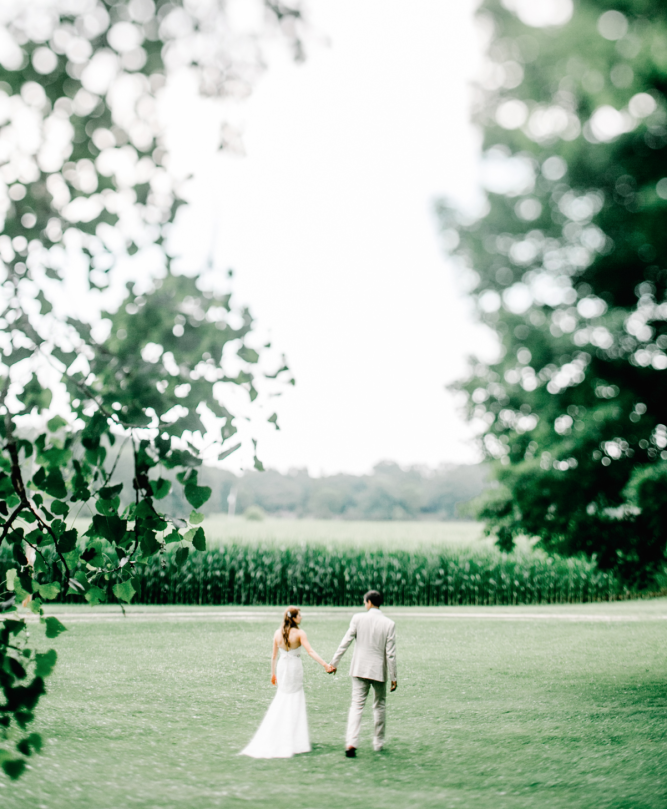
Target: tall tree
569, 269
85, 186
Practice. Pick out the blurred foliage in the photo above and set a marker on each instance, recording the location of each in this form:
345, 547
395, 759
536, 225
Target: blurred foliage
254, 513
85, 186
390, 492
568, 265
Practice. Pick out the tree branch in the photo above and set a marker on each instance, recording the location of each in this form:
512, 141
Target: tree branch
10, 521
46, 527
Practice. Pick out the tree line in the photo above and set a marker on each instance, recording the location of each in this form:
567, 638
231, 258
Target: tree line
389, 492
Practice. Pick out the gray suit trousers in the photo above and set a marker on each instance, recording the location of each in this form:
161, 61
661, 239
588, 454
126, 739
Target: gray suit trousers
360, 688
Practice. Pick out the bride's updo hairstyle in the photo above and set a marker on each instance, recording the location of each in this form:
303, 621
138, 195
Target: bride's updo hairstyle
289, 622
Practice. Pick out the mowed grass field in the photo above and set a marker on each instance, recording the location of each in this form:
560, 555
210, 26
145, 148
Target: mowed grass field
545, 707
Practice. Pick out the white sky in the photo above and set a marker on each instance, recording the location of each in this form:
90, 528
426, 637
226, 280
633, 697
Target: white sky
328, 223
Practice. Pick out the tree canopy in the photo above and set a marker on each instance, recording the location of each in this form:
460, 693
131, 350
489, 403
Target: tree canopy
86, 188
568, 267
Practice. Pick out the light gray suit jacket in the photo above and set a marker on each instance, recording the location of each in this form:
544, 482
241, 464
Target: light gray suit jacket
375, 649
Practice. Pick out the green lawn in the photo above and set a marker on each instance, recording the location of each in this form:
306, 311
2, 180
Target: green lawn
539, 707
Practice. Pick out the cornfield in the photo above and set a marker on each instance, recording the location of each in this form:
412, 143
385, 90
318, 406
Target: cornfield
263, 574
314, 575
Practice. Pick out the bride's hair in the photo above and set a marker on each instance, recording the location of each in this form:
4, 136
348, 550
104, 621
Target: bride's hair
289, 623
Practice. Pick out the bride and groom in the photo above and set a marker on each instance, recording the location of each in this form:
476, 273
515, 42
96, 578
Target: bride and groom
284, 729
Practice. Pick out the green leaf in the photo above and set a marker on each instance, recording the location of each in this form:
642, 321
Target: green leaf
199, 540
196, 495
109, 508
34, 395
174, 536
45, 304
25, 581
35, 741
124, 591
14, 767
35, 605
181, 555
17, 355
96, 595
72, 557
67, 541
40, 565
6, 486
35, 537
80, 578
195, 518
53, 627
56, 423
181, 457
14, 627
45, 663
248, 354
149, 543
49, 591
110, 492
52, 483
111, 528
21, 594
161, 488
60, 508
11, 578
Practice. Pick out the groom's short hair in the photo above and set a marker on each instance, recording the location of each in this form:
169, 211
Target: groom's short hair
374, 597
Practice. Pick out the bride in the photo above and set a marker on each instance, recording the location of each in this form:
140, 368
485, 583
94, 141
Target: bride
284, 729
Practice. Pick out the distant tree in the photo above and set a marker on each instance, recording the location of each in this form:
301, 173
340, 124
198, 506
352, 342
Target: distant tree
389, 493
86, 185
569, 269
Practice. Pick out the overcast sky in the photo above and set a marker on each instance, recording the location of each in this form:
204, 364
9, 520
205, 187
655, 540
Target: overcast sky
328, 223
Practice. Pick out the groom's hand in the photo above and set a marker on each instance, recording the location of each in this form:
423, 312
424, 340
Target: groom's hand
331, 669
394, 685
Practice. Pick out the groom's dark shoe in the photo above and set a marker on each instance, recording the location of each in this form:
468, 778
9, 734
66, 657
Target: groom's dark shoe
351, 752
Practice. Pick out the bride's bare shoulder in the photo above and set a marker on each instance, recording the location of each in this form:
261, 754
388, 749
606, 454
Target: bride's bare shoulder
295, 635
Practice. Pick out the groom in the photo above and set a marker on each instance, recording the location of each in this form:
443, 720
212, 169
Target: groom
373, 662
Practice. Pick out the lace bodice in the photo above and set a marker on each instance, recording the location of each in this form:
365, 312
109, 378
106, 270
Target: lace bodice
289, 670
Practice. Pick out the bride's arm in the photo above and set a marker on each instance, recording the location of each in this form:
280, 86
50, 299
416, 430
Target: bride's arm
306, 645
274, 656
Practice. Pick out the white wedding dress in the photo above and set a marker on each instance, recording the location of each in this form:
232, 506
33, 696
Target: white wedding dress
284, 729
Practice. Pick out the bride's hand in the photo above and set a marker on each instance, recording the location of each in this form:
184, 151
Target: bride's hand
274, 680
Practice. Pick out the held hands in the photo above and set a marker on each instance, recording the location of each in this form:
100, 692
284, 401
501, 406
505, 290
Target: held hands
274, 680
330, 669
